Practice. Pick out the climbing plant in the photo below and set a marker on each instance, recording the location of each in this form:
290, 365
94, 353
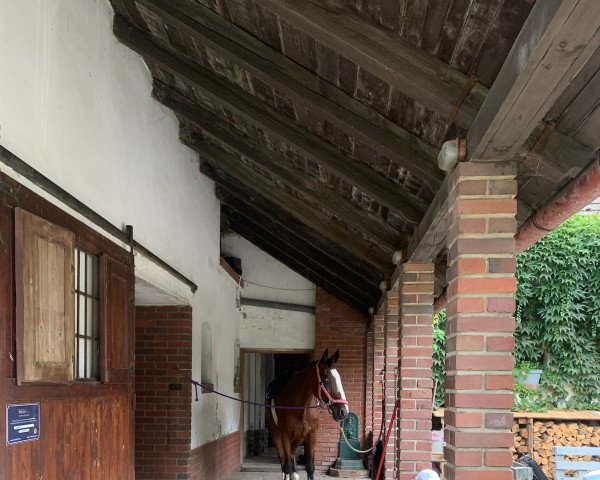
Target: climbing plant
558, 313
439, 355
558, 319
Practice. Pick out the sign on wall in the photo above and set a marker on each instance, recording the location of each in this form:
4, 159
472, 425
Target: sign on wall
22, 423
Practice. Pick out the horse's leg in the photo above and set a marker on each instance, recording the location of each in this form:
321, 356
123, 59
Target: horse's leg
287, 464
276, 436
310, 445
295, 475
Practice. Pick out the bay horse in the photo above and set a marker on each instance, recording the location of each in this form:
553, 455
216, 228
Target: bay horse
308, 390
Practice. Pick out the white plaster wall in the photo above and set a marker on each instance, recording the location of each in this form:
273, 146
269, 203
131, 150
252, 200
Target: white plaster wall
76, 105
269, 328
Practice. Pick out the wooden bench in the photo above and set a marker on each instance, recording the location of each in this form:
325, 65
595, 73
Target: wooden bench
563, 465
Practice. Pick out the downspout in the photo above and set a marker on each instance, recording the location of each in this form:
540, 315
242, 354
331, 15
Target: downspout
577, 194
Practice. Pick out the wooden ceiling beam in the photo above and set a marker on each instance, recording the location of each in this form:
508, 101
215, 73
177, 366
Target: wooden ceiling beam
409, 69
555, 43
294, 207
297, 263
291, 230
304, 87
362, 292
259, 114
360, 219
308, 215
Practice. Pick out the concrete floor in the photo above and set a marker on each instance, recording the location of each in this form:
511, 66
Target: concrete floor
275, 476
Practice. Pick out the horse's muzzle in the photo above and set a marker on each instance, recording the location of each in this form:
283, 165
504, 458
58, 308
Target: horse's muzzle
339, 411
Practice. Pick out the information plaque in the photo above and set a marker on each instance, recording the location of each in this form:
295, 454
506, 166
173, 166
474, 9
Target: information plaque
22, 423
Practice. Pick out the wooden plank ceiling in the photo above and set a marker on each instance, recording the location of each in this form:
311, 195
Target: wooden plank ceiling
320, 120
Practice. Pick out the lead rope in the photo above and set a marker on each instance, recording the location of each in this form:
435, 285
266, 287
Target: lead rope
382, 374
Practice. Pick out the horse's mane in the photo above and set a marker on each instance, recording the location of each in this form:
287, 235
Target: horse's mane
281, 380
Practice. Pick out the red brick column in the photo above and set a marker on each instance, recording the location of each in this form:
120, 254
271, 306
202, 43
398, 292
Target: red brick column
369, 382
416, 352
480, 324
391, 375
378, 364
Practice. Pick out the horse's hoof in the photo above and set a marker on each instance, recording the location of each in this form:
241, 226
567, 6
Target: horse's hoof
295, 476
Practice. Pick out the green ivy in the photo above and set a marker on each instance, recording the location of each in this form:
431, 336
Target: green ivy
558, 312
439, 354
558, 319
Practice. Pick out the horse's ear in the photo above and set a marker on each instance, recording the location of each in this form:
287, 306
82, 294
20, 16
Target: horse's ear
325, 355
336, 356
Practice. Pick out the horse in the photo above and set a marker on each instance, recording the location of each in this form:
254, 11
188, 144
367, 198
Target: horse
308, 390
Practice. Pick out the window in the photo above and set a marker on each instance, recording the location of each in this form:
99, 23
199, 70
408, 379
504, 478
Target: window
87, 316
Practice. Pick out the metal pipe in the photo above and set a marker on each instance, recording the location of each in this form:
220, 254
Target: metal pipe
31, 174
577, 194
292, 307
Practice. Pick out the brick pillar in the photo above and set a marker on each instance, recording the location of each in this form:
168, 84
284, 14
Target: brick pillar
391, 375
378, 364
368, 426
480, 323
416, 352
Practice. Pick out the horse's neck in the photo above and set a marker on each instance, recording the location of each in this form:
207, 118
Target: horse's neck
299, 391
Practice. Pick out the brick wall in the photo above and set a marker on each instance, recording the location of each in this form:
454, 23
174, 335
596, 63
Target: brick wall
216, 460
340, 326
162, 417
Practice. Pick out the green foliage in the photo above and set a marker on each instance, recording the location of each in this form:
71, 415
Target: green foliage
439, 354
558, 312
558, 319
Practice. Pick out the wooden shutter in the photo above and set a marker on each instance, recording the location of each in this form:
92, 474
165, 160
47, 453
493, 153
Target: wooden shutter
45, 309
116, 321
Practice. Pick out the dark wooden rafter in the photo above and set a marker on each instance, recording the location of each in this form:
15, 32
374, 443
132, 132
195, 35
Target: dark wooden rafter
259, 114
293, 232
416, 73
556, 41
523, 94
314, 264
336, 269
332, 229
294, 264
384, 53
245, 188
304, 87
361, 220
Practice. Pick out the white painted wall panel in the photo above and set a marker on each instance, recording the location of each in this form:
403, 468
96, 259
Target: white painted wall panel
76, 105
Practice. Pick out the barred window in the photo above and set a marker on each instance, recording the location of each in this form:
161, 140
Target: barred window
87, 316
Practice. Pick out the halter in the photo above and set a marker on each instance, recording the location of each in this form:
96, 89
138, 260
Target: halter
329, 397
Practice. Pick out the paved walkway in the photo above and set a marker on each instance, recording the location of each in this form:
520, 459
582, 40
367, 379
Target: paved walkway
275, 476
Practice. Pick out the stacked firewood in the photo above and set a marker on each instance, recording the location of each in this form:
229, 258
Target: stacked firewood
537, 437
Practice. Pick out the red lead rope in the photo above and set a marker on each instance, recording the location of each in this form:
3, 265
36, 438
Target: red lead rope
387, 439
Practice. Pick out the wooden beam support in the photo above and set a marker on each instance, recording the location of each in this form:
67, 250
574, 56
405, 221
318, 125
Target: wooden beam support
256, 112
297, 209
281, 224
294, 243
304, 87
308, 215
370, 225
384, 53
298, 252
555, 43
430, 236
297, 264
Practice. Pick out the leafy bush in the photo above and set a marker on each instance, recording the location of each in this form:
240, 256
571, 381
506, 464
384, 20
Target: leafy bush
558, 312
558, 319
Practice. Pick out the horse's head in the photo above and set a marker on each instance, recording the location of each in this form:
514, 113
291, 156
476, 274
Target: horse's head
330, 388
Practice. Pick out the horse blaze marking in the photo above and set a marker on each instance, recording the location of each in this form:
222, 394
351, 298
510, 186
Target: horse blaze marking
338, 383
273, 411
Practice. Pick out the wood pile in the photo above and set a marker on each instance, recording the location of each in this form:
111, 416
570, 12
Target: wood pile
537, 437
